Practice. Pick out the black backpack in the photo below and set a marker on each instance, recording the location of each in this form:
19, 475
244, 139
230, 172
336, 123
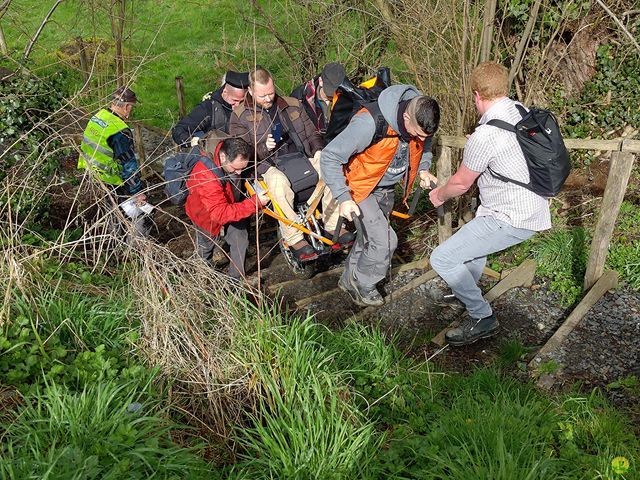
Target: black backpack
177, 169
352, 99
539, 137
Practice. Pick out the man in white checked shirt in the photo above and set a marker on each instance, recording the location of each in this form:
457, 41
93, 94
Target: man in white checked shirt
508, 213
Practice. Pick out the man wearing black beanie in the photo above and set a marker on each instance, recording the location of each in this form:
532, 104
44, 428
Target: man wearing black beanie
213, 112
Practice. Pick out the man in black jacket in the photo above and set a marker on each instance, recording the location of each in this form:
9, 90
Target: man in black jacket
214, 111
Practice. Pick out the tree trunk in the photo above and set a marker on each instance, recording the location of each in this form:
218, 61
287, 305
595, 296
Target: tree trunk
117, 29
32, 42
3, 43
487, 30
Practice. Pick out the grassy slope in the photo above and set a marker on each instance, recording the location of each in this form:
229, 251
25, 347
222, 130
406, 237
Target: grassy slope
197, 40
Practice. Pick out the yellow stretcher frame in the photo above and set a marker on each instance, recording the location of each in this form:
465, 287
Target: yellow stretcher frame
279, 215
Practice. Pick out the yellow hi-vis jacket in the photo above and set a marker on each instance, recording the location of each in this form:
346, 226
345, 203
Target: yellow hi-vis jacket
95, 152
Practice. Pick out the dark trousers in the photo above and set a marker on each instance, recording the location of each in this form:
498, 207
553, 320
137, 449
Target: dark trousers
236, 236
369, 262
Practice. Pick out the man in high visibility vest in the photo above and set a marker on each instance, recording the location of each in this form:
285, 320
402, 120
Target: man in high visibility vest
107, 149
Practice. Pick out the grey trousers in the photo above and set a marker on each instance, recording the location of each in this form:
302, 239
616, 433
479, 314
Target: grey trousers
369, 260
236, 236
461, 258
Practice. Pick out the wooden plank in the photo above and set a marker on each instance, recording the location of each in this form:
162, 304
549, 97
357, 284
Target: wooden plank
520, 276
451, 141
631, 146
421, 264
606, 282
593, 144
444, 172
425, 277
491, 273
571, 143
619, 172
180, 93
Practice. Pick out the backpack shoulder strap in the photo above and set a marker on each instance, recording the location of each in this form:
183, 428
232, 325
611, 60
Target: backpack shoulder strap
217, 171
292, 131
381, 123
521, 110
501, 124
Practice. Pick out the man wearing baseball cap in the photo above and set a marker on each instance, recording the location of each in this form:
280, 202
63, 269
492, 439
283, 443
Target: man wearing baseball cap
214, 111
107, 149
316, 94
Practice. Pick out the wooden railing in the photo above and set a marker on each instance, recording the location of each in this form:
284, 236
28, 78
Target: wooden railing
622, 157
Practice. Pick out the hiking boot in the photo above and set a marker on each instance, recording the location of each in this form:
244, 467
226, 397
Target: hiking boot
302, 251
471, 330
346, 237
219, 257
363, 296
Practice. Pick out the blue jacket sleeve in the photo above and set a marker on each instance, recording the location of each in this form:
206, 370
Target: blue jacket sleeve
122, 145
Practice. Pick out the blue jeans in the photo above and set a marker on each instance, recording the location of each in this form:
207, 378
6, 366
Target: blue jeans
461, 258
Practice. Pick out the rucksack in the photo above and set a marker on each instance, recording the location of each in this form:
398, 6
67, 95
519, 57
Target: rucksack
177, 169
349, 100
539, 137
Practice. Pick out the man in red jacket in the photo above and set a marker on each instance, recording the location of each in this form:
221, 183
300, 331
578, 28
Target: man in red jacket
213, 203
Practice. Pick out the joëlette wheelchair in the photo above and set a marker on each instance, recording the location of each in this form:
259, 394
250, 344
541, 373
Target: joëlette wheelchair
310, 224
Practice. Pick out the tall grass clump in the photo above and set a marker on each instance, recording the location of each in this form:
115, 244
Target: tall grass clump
107, 430
491, 427
562, 257
305, 423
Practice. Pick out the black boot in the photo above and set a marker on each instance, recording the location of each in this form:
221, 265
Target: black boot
471, 330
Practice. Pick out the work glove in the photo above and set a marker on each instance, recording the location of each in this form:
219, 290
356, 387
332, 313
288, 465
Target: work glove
263, 198
349, 209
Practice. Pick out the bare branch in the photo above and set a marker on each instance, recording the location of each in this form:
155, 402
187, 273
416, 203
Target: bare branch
29, 47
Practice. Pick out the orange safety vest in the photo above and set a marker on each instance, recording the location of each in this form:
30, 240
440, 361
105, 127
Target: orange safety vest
364, 170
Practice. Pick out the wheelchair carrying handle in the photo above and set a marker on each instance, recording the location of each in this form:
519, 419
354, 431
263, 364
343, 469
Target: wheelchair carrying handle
361, 232
336, 234
439, 209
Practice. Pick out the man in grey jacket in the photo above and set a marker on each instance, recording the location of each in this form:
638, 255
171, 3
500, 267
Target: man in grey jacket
362, 175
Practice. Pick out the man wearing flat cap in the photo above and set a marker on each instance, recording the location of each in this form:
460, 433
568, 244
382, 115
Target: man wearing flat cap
316, 94
213, 112
107, 146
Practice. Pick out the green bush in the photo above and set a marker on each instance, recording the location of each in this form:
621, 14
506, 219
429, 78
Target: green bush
30, 145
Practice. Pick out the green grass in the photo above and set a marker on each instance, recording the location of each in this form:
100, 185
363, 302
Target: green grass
306, 424
487, 426
196, 40
323, 404
94, 433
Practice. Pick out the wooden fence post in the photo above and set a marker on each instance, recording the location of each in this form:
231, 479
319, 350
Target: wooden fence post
84, 63
138, 143
180, 93
444, 172
619, 173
